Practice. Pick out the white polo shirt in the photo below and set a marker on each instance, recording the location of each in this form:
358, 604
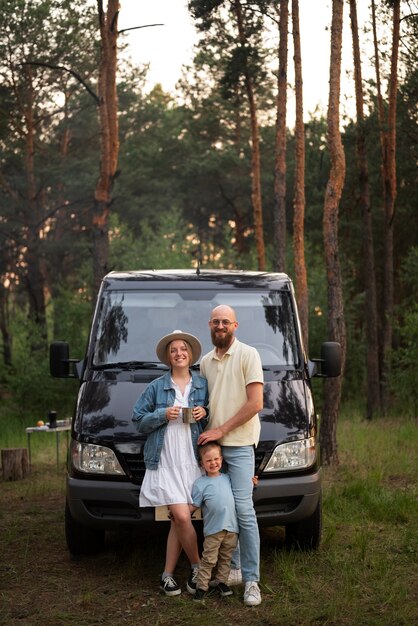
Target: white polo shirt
228, 378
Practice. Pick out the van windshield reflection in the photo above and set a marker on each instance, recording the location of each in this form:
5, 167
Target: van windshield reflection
128, 365
131, 323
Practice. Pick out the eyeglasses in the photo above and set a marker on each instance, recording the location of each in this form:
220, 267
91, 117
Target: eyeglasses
223, 322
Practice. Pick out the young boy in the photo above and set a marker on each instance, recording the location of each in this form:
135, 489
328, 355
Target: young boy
213, 493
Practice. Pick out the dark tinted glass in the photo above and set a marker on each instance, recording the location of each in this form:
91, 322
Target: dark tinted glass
131, 323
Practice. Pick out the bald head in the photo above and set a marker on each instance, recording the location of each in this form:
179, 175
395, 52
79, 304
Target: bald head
223, 311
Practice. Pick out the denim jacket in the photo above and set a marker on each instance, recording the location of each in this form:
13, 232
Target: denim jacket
150, 413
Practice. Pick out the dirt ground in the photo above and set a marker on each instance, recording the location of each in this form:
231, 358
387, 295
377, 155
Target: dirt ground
364, 573
40, 583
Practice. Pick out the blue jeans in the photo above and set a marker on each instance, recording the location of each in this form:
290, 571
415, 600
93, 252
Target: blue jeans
240, 465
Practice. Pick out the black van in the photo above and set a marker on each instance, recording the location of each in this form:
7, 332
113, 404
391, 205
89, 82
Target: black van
133, 311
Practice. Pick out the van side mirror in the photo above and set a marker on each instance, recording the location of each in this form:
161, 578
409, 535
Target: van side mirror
331, 359
59, 360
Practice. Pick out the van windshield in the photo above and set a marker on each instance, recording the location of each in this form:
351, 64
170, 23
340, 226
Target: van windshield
132, 322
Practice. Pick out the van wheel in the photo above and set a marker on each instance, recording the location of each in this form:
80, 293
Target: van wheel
80, 539
306, 534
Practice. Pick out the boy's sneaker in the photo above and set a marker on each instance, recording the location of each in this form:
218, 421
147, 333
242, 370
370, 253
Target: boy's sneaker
169, 586
224, 590
235, 577
252, 595
199, 595
192, 580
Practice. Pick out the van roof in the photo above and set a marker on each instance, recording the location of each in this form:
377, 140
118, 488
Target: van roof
190, 278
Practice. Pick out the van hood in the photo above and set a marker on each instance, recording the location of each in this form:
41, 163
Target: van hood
104, 409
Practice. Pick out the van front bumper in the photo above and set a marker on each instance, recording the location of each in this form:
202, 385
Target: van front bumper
287, 499
106, 504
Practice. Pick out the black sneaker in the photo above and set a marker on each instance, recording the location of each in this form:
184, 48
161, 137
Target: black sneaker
224, 590
169, 586
192, 580
199, 595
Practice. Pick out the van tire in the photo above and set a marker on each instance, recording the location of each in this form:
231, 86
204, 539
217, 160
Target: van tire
306, 534
80, 539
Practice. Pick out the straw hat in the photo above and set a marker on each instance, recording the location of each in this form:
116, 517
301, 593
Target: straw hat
178, 334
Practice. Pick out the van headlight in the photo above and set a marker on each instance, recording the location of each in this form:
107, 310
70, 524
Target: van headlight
292, 455
92, 459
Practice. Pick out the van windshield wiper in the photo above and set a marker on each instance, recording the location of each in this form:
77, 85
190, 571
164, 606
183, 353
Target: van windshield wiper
129, 365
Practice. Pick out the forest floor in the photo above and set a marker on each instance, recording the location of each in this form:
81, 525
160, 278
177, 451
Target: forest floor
364, 573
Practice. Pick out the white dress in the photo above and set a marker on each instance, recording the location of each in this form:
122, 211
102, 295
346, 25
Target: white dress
172, 481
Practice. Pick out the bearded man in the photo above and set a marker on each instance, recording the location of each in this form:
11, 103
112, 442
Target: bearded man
235, 382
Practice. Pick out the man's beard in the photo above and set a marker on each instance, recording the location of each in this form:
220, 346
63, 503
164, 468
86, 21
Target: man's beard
222, 341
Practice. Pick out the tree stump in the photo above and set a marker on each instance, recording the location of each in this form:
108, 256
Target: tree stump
15, 463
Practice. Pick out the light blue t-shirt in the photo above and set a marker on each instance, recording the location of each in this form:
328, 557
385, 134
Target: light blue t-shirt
215, 497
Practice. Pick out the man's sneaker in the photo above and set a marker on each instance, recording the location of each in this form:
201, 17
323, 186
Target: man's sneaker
252, 595
192, 580
169, 586
235, 577
224, 590
199, 595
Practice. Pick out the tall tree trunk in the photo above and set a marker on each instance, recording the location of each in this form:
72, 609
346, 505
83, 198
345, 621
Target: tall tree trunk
109, 138
33, 257
389, 170
280, 153
61, 225
5, 325
381, 119
301, 282
372, 342
241, 223
255, 151
380, 110
336, 322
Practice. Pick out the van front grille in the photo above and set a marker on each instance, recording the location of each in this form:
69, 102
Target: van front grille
260, 459
136, 467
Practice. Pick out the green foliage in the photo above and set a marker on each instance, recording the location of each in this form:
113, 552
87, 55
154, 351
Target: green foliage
69, 316
204, 10
174, 244
32, 392
169, 245
409, 277
151, 160
183, 188
405, 363
405, 358
47, 172
242, 61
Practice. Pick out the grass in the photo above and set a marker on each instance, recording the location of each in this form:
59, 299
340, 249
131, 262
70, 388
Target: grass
42, 443
364, 573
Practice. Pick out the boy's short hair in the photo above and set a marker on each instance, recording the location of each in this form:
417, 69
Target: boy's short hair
207, 446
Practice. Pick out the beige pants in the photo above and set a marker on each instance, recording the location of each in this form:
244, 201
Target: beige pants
217, 550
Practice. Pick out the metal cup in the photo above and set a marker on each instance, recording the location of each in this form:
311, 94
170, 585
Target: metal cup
187, 415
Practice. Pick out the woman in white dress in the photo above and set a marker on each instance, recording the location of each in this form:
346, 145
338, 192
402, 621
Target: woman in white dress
170, 451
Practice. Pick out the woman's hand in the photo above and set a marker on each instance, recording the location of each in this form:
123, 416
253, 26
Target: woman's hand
199, 412
172, 412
